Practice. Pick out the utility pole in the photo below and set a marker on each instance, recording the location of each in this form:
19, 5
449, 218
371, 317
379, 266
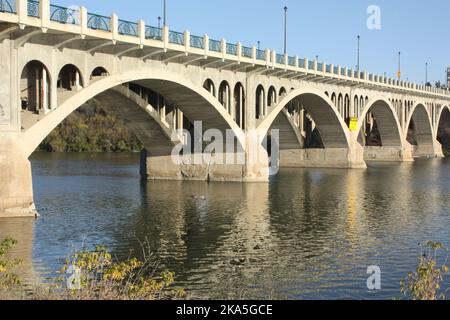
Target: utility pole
285, 29
165, 13
358, 63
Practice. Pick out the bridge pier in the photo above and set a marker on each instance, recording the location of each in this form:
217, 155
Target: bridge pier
428, 150
240, 169
347, 158
16, 189
389, 154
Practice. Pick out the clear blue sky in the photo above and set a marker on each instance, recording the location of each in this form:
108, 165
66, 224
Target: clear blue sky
328, 28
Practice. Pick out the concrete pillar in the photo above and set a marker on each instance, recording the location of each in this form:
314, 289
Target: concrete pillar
44, 13
44, 89
77, 80
37, 91
16, 192
241, 108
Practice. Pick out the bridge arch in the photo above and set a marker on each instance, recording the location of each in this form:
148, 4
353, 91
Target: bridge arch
444, 108
260, 105
225, 95
209, 86
35, 80
272, 96
70, 77
386, 119
192, 100
419, 130
239, 105
99, 72
332, 128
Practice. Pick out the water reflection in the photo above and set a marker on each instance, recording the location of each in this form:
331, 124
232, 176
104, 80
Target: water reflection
309, 233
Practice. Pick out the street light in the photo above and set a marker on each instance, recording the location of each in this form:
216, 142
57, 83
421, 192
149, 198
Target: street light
259, 44
285, 29
358, 61
426, 73
399, 73
165, 16
159, 22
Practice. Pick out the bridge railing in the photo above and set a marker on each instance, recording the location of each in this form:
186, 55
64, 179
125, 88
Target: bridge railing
176, 37
215, 45
8, 6
153, 33
33, 8
128, 28
64, 15
114, 25
292, 61
260, 55
232, 49
247, 52
99, 22
197, 42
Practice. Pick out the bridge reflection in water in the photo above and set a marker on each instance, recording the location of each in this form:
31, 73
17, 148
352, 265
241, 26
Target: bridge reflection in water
309, 233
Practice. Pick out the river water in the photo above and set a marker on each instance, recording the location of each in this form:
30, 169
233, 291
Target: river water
308, 234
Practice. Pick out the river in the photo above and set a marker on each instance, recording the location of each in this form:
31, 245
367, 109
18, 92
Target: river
308, 234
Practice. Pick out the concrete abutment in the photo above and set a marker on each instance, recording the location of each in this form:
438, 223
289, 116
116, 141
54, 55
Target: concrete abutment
16, 190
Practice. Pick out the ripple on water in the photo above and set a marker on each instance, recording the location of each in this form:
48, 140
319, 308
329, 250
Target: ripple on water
308, 234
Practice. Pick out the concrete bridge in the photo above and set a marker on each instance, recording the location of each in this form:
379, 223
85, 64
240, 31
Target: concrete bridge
54, 59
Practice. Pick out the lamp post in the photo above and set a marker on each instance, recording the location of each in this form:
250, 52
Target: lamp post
358, 53
426, 73
259, 45
159, 22
399, 72
285, 29
165, 16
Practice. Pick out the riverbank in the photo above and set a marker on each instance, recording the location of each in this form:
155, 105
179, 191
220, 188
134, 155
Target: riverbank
91, 129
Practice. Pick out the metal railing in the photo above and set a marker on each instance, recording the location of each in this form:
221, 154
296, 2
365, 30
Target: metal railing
280, 58
153, 33
291, 61
128, 28
176, 38
301, 63
197, 42
320, 66
8, 6
215, 46
311, 65
260, 55
247, 52
232, 49
64, 15
33, 8
98, 22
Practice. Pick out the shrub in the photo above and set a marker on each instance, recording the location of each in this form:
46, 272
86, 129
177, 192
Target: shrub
426, 282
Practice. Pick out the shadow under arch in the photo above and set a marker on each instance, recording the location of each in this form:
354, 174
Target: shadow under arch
332, 128
334, 148
387, 121
442, 130
392, 146
195, 102
419, 131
